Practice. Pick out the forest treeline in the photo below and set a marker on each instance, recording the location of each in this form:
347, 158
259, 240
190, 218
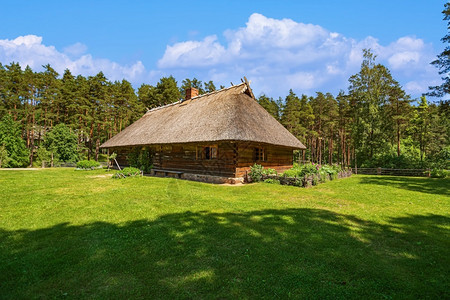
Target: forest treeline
375, 123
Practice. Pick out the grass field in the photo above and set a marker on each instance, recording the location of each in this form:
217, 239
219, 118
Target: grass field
76, 234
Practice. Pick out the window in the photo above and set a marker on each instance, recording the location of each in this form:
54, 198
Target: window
259, 154
206, 152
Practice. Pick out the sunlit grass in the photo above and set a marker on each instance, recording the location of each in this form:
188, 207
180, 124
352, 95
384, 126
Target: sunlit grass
81, 234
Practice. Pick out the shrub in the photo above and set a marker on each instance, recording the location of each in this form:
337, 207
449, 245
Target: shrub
127, 172
273, 181
4, 158
290, 173
88, 165
315, 180
256, 172
308, 169
269, 171
322, 176
301, 171
439, 173
141, 159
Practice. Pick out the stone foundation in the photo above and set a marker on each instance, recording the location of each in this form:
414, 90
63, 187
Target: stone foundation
306, 181
211, 178
200, 177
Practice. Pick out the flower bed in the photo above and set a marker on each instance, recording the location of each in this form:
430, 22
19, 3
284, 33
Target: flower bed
305, 176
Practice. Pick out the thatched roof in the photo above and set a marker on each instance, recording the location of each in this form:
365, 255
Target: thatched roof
230, 114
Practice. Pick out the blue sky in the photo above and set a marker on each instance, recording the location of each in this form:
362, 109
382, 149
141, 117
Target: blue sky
308, 46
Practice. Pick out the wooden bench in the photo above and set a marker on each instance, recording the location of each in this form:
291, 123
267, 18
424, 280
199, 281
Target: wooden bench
166, 172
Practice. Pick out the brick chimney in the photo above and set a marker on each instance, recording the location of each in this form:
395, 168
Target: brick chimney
191, 93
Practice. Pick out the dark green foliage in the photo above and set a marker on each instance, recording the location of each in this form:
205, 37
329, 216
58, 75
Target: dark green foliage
292, 114
4, 158
272, 107
93, 108
141, 159
11, 140
127, 172
202, 87
443, 60
62, 142
44, 158
191, 83
439, 173
88, 165
442, 159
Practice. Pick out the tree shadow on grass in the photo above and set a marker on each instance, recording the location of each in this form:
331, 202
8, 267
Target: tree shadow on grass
437, 186
299, 253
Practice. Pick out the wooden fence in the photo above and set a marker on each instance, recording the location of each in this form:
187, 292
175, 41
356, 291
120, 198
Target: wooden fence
392, 172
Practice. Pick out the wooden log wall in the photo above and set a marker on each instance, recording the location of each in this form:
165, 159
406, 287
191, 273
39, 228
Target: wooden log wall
278, 158
234, 159
183, 157
122, 156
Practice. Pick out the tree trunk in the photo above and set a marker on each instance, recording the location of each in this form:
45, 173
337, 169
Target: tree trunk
97, 148
398, 139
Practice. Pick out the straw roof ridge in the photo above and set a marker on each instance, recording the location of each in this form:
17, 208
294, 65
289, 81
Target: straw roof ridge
194, 98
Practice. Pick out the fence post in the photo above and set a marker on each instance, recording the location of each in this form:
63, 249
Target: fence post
428, 172
378, 171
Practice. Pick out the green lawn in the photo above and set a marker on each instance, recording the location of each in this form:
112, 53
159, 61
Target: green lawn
77, 234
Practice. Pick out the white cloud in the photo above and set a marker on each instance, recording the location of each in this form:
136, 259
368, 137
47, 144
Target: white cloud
281, 53
29, 50
75, 49
198, 53
276, 54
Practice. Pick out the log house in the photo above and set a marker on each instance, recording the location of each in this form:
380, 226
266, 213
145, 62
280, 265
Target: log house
220, 134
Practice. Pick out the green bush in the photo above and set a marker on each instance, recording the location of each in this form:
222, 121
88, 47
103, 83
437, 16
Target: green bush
269, 171
322, 176
88, 165
439, 173
315, 180
127, 172
302, 170
290, 173
141, 159
256, 172
273, 181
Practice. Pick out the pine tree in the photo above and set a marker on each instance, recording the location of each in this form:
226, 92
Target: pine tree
270, 106
443, 60
290, 117
147, 96
369, 92
421, 123
11, 138
192, 83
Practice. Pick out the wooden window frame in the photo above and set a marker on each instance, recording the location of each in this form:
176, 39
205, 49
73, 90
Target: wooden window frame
207, 152
259, 154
